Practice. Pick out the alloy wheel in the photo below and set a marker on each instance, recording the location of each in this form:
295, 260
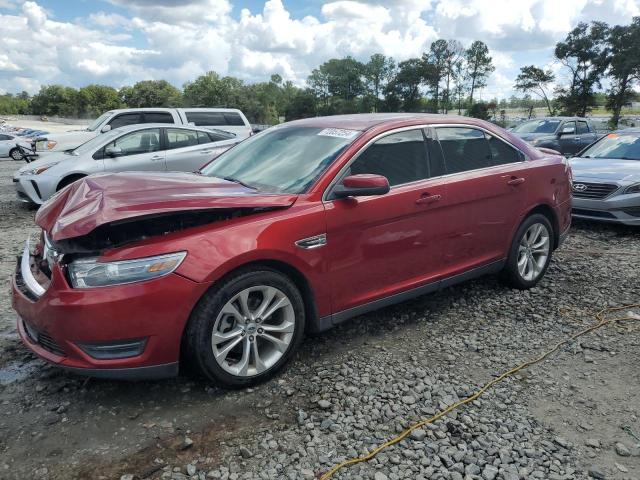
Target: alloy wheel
533, 251
253, 331
16, 155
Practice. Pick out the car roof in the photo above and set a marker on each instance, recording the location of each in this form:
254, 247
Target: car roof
142, 126
167, 109
628, 130
365, 121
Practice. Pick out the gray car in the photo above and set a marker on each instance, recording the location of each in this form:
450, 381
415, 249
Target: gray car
606, 179
154, 147
567, 135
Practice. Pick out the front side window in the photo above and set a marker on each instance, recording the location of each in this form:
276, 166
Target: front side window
136, 143
400, 157
98, 121
125, 119
583, 127
282, 159
464, 148
569, 126
180, 138
502, 153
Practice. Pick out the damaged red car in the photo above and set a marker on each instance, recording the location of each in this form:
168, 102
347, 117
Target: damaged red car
293, 230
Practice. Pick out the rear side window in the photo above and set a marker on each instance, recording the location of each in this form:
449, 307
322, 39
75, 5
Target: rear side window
179, 138
204, 138
233, 119
400, 157
125, 119
4, 137
206, 118
158, 117
583, 127
464, 149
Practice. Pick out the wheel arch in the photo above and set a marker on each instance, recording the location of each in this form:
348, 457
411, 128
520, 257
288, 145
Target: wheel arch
547, 211
69, 179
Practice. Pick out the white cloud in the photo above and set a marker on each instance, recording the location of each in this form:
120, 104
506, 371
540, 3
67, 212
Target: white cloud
178, 40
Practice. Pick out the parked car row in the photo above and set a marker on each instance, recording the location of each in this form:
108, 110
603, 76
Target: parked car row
12, 138
296, 229
227, 119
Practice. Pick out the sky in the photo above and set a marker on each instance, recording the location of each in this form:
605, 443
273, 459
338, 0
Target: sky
119, 42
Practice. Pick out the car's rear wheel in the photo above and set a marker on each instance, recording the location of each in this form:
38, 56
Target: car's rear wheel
245, 330
530, 252
16, 154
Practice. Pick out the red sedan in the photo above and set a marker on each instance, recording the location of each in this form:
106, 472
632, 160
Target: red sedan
295, 229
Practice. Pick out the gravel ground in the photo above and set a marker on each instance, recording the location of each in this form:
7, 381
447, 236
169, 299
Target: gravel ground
358, 385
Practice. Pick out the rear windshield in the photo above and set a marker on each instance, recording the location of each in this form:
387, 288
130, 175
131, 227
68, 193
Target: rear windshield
624, 146
214, 119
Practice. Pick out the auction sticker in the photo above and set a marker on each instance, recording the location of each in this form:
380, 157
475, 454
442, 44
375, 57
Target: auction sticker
338, 132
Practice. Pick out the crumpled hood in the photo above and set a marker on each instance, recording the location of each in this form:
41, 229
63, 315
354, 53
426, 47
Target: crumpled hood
606, 169
105, 198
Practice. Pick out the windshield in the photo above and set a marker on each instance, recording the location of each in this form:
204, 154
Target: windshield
98, 121
537, 126
625, 146
96, 142
282, 159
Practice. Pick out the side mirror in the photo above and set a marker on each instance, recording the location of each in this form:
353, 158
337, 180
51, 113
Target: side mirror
567, 131
105, 129
111, 151
362, 185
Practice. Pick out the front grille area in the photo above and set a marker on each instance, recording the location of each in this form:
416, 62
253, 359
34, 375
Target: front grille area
592, 213
44, 340
593, 190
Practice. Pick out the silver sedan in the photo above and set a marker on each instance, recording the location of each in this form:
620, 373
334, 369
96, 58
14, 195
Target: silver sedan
606, 179
155, 147
9, 145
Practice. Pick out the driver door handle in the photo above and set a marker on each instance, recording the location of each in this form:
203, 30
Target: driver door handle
155, 158
425, 199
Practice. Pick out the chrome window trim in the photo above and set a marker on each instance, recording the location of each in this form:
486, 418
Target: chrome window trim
422, 127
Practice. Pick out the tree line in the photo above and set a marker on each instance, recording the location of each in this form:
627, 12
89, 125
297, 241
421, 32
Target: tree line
446, 78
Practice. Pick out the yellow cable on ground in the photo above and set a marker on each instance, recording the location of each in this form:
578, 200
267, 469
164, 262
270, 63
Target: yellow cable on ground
601, 317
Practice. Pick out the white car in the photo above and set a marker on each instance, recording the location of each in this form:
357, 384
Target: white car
9, 146
227, 119
155, 147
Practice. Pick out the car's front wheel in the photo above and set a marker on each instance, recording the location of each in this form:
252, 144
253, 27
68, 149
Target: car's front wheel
245, 330
530, 252
16, 154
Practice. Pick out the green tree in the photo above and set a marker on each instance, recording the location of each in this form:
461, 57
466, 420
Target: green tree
584, 53
56, 100
624, 68
536, 80
151, 93
480, 110
479, 66
378, 71
454, 64
97, 99
15, 104
404, 90
434, 69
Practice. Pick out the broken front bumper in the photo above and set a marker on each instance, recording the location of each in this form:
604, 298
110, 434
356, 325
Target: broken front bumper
76, 329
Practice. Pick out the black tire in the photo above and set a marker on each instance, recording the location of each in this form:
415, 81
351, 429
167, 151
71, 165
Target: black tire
16, 154
68, 181
511, 273
197, 341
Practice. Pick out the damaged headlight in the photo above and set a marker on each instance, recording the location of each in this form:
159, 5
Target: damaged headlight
87, 273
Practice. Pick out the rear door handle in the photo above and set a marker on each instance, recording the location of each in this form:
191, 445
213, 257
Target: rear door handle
426, 199
155, 158
515, 181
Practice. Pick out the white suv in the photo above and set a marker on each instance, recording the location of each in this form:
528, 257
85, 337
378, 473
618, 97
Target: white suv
228, 119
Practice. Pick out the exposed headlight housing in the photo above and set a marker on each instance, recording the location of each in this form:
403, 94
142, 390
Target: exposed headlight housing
89, 273
633, 188
38, 170
45, 144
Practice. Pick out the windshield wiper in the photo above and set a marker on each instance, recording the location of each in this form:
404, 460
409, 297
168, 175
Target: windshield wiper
239, 182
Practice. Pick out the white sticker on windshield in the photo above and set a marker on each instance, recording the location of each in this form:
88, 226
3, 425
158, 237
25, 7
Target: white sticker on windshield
338, 132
